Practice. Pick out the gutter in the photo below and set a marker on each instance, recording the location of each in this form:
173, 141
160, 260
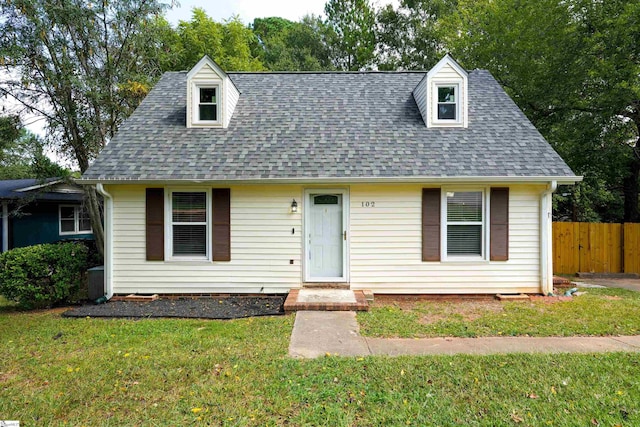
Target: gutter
346, 180
546, 234
108, 240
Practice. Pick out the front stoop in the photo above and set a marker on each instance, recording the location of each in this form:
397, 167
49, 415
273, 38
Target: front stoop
325, 300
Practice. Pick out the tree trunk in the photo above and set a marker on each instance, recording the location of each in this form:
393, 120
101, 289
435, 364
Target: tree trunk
631, 182
96, 214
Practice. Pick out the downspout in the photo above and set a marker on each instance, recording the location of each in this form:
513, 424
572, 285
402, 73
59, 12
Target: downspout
108, 240
546, 232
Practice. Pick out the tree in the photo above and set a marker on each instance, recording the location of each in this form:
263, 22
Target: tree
284, 45
83, 66
229, 43
22, 153
409, 37
352, 37
572, 66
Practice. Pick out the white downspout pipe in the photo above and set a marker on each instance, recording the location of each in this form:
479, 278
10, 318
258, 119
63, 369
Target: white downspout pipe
108, 240
546, 235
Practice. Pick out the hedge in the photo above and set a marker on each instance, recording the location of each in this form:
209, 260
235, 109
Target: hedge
43, 275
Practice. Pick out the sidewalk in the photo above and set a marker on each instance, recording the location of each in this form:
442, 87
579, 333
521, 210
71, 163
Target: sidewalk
317, 333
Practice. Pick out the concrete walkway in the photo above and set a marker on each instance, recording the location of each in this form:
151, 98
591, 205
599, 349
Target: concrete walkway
317, 333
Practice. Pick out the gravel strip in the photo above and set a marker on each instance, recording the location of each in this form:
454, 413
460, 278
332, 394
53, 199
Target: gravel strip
202, 308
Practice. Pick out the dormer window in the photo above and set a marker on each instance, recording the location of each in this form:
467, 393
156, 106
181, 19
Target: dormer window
208, 105
211, 96
443, 96
447, 102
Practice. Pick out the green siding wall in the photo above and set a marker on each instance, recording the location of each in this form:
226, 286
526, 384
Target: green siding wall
38, 223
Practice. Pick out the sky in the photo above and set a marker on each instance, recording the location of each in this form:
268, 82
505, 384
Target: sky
247, 9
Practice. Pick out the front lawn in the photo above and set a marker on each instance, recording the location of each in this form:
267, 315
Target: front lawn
60, 371
597, 312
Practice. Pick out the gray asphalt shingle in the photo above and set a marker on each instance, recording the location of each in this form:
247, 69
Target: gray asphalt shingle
329, 125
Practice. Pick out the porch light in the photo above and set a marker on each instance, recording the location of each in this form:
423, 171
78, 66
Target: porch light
294, 206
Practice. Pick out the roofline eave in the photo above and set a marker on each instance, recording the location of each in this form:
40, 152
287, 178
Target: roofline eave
561, 180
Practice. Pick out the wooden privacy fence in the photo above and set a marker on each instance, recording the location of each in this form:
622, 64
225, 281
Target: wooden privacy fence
596, 248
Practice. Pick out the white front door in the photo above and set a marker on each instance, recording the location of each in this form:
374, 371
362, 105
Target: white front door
326, 237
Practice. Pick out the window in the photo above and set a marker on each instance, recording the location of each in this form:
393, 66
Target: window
208, 104
74, 220
189, 236
464, 223
447, 103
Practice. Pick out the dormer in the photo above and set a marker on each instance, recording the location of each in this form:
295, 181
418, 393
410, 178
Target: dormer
211, 96
442, 95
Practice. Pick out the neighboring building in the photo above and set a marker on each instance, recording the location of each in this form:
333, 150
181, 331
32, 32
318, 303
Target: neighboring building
398, 182
36, 211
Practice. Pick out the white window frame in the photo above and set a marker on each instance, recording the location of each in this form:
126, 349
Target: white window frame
168, 216
76, 221
195, 107
486, 191
436, 87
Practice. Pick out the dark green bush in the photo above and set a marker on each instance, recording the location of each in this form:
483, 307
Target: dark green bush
43, 275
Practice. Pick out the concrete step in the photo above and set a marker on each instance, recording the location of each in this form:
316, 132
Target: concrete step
325, 300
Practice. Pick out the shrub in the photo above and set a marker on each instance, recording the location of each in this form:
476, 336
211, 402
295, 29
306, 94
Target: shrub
94, 258
43, 275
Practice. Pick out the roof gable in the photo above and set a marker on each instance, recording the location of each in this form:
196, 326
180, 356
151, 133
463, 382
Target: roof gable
206, 62
447, 62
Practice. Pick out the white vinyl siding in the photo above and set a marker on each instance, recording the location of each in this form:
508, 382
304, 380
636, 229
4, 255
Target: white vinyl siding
262, 246
231, 95
386, 246
384, 240
421, 98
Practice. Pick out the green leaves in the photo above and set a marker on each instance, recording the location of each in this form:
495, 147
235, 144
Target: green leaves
573, 68
229, 44
352, 37
43, 275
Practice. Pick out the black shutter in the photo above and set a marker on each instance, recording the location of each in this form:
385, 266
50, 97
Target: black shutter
499, 224
221, 224
155, 224
431, 224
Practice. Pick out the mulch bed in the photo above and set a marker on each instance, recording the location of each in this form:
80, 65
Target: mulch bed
201, 308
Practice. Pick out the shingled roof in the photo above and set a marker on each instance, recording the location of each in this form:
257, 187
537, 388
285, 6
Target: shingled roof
331, 125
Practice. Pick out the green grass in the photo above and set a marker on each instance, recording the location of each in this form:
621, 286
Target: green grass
598, 312
58, 371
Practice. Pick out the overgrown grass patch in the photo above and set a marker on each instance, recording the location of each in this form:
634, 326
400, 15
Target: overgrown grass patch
59, 371
598, 312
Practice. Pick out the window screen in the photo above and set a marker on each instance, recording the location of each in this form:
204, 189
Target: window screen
189, 223
464, 223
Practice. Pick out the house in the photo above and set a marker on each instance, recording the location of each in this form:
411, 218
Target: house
41, 211
396, 182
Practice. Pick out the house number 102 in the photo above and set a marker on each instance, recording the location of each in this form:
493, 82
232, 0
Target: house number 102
368, 204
